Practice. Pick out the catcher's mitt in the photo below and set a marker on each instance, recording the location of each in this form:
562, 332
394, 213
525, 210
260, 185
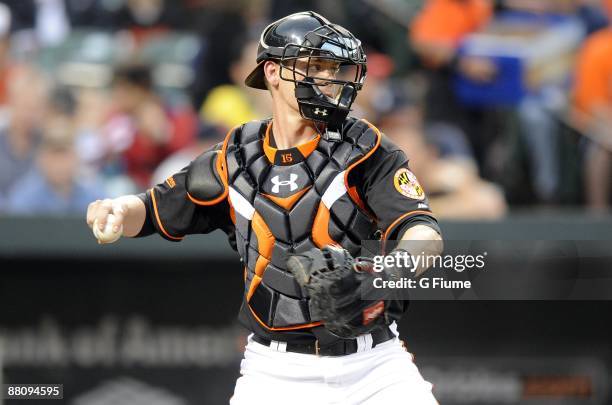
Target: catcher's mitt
335, 282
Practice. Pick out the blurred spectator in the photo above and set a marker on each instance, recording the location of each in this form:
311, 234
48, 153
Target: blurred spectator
5, 43
27, 94
92, 109
222, 28
53, 186
436, 31
435, 35
538, 110
208, 135
142, 131
593, 13
452, 183
85, 110
593, 114
454, 189
376, 97
53, 19
146, 18
48, 19
233, 104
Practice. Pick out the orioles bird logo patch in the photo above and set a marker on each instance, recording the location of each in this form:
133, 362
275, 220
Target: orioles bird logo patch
406, 184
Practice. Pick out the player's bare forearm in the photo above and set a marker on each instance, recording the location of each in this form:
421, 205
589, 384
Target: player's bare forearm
421, 240
128, 210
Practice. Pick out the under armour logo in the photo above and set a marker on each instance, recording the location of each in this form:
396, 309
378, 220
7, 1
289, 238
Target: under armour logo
291, 183
322, 112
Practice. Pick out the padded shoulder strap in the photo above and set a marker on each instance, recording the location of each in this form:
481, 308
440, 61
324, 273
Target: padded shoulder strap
205, 182
371, 143
207, 175
368, 138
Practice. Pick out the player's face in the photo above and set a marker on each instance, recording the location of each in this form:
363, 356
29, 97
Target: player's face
319, 71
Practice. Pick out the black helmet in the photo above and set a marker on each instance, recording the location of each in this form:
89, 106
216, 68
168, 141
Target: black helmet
310, 39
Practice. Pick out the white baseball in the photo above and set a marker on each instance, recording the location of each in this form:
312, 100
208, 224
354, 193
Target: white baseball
107, 235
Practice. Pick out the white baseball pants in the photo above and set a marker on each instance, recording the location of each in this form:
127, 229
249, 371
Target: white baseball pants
384, 375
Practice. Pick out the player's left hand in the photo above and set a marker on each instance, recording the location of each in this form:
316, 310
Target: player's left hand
334, 281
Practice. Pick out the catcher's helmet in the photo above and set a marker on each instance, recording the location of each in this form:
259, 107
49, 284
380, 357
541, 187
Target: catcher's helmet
305, 44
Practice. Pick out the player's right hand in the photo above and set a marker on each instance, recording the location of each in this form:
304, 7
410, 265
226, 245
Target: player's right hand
98, 213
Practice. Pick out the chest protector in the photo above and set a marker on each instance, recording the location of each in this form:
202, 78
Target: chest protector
283, 209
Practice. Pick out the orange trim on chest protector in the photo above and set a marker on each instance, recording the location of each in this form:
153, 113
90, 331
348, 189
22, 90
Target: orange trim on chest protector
305, 148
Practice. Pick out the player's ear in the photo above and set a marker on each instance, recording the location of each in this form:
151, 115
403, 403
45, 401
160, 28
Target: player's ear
272, 72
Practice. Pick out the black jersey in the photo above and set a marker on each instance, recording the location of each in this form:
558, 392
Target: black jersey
279, 202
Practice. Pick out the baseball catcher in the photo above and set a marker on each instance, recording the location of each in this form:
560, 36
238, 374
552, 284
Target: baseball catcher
297, 194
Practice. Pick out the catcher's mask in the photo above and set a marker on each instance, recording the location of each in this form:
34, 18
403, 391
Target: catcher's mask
324, 61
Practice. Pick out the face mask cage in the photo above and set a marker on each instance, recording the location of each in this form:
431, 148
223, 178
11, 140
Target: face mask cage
303, 68
324, 71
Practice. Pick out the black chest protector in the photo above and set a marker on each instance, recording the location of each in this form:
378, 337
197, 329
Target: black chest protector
282, 209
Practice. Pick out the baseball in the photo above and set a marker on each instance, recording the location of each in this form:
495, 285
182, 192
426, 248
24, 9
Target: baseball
107, 235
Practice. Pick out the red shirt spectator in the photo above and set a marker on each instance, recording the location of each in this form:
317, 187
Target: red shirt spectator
142, 130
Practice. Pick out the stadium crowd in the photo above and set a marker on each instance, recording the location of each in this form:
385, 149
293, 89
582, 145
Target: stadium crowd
100, 98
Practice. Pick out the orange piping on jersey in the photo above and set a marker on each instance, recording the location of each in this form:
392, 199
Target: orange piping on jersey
221, 166
161, 226
411, 213
367, 155
287, 202
320, 228
295, 327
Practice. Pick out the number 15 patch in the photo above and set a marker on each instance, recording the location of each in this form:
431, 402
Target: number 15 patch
406, 184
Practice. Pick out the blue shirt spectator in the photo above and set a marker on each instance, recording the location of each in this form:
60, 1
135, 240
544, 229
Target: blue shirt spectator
35, 195
53, 185
12, 165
